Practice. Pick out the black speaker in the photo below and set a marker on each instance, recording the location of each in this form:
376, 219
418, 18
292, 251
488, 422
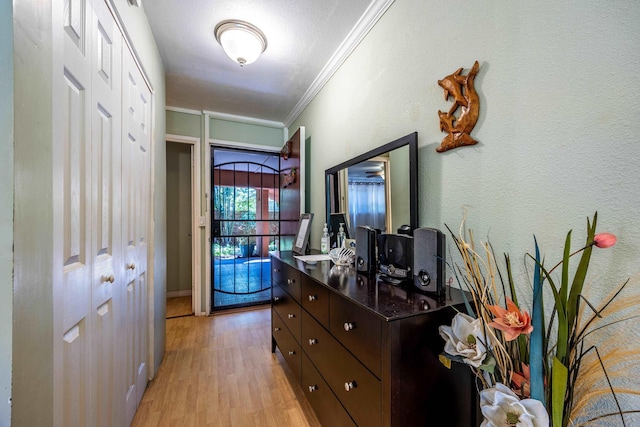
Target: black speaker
395, 253
366, 250
429, 262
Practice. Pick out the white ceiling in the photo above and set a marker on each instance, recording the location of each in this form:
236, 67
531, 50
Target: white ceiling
307, 39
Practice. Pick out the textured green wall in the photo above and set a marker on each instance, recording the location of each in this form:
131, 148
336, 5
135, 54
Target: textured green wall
6, 207
558, 127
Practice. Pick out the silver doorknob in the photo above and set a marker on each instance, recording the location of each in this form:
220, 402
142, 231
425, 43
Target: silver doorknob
131, 266
349, 385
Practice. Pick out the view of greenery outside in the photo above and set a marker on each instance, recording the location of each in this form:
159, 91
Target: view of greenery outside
235, 208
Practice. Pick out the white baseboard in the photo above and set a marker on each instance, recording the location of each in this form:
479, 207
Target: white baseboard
175, 294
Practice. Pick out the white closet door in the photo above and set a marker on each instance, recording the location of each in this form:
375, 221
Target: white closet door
107, 251
136, 195
75, 245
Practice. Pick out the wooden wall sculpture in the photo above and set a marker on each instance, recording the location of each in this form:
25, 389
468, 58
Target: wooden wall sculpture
458, 129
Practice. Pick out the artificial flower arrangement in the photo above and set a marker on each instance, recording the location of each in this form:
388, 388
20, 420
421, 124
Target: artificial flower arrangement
527, 376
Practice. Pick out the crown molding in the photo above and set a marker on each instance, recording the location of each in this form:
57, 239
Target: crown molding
244, 119
184, 110
370, 17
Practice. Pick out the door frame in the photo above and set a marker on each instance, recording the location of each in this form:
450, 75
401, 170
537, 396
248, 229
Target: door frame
196, 199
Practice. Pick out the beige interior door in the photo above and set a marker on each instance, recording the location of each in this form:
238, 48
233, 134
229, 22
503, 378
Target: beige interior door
107, 253
102, 208
75, 331
136, 139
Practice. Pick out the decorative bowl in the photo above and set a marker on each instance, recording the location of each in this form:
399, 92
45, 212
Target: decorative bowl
342, 256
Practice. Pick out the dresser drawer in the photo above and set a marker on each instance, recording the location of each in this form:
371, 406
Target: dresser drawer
315, 299
358, 330
289, 347
287, 277
358, 389
325, 404
288, 309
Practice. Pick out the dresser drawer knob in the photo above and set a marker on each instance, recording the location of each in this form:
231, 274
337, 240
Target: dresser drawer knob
291, 316
292, 353
277, 329
348, 386
312, 388
290, 281
313, 341
313, 297
276, 299
349, 326
276, 270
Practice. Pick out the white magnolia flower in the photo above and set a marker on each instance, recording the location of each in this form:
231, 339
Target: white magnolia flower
465, 338
501, 408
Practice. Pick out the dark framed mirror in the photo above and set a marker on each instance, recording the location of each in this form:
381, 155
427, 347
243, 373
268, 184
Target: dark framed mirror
378, 188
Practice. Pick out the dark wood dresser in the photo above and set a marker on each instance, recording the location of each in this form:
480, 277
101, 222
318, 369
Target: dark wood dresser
366, 352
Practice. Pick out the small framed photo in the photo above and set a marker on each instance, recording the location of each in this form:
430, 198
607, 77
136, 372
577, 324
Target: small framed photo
302, 235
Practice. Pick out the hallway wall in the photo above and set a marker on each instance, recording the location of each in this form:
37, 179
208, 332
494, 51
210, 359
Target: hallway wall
6, 207
179, 257
558, 129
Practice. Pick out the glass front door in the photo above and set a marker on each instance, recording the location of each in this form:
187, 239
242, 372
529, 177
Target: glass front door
245, 216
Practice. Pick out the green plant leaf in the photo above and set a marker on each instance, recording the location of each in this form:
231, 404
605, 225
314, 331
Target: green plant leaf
536, 355
581, 274
559, 376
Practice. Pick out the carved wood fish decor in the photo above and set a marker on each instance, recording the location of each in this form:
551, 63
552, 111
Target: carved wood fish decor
464, 95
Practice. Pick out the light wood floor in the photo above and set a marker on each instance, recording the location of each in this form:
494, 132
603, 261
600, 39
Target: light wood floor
219, 371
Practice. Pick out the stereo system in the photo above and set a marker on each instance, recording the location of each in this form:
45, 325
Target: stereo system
395, 253
429, 263
401, 258
366, 260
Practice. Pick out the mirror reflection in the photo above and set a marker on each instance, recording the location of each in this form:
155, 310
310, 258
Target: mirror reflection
378, 189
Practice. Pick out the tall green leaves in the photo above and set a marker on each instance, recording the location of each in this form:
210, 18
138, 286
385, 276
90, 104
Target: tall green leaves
536, 356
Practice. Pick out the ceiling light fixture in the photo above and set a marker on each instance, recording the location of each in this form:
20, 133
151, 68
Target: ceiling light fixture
241, 41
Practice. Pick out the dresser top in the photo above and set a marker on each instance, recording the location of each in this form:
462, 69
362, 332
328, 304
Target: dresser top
388, 301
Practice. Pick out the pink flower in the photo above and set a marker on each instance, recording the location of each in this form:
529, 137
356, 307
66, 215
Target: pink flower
604, 240
521, 381
512, 322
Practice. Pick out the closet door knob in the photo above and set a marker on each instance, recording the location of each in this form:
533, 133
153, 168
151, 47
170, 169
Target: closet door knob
348, 386
131, 266
349, 326
109, 278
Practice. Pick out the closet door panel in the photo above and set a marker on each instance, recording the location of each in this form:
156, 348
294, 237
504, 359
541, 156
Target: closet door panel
135, 204
108, 261
74, 216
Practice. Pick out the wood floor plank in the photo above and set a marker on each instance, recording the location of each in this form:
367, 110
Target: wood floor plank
219, 371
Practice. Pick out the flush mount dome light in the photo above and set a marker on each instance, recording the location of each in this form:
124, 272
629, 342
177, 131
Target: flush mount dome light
241, 41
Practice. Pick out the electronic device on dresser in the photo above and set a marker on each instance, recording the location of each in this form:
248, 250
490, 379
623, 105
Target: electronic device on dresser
429, 263
366, 261
395, 255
